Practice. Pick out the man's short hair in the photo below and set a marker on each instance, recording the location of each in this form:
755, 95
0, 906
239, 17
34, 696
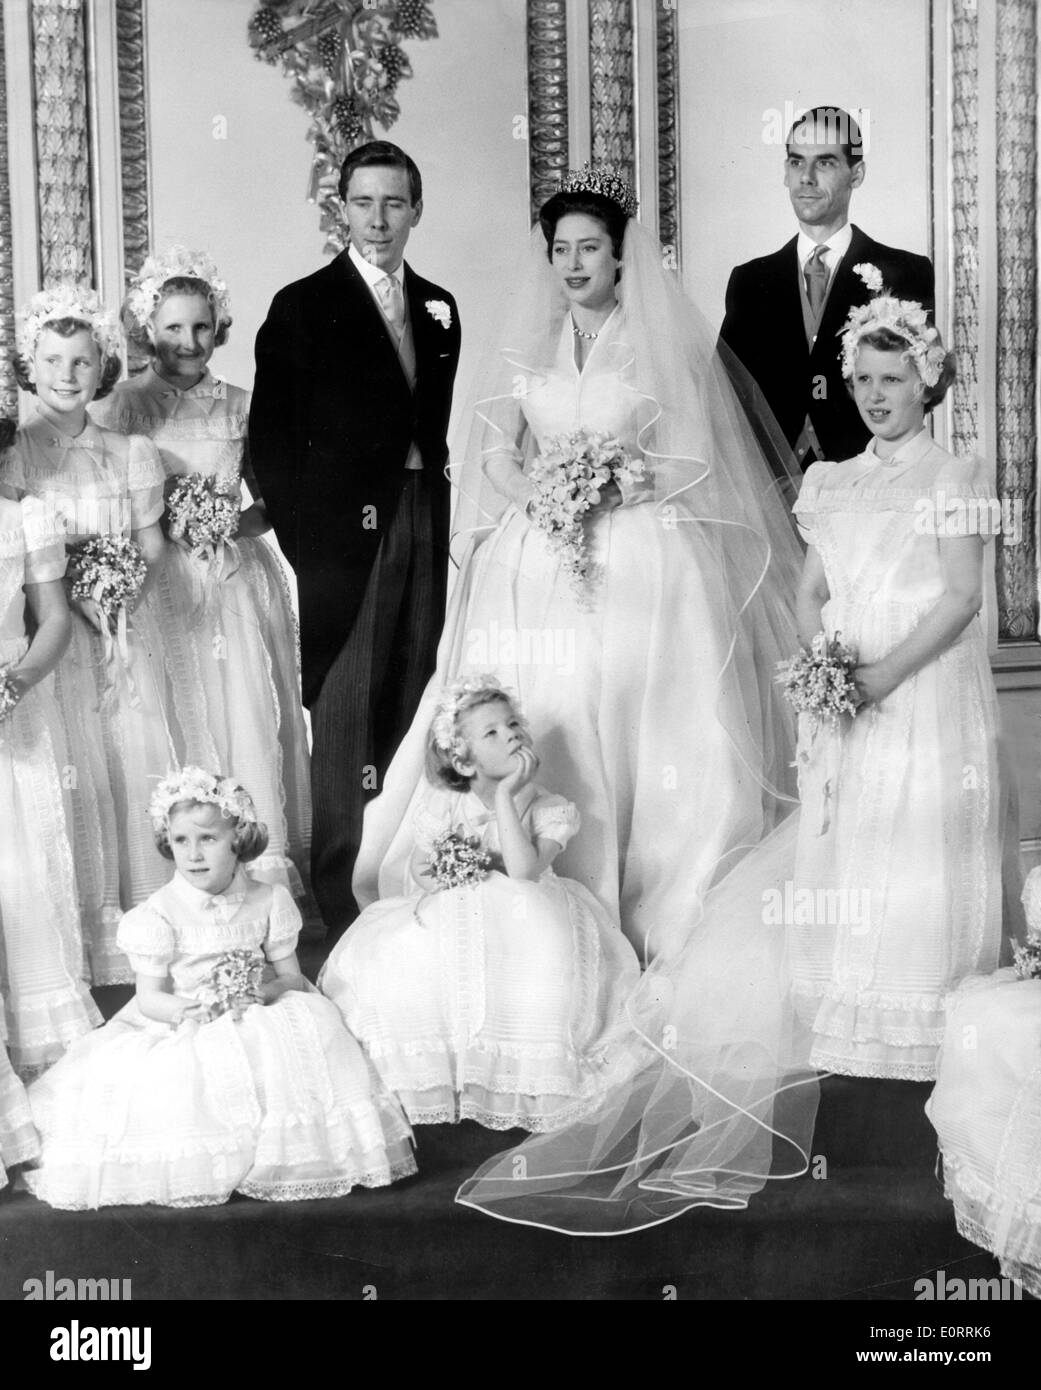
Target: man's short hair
837, 123
381, 152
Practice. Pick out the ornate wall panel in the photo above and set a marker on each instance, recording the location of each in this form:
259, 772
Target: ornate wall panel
668, 126
133, 131
965, 219
611, 85
62, 141
547, 97
8, 388
1017, 312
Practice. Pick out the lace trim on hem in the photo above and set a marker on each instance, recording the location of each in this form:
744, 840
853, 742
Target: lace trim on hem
884, 1071
305, 1191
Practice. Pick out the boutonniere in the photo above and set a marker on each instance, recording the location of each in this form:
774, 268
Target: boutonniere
438, 309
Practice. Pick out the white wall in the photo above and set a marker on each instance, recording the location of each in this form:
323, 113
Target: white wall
243, 198
741, 59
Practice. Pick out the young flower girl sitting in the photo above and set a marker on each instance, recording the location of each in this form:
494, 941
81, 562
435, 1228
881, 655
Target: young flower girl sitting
486, 993
209, 1082
986, 1106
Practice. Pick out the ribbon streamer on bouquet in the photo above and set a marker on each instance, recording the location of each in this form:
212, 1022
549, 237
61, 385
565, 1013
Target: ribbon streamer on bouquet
115, 654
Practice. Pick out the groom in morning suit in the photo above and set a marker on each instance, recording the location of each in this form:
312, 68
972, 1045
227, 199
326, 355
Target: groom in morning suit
347, 437
784, 311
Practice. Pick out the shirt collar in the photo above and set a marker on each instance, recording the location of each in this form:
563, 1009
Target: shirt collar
477, 813
837, 246
909, 452
198, 898
206, 386
372, 274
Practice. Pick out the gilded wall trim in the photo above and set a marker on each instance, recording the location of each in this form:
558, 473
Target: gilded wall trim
133, 132
668, 79
611, 87
62, 141
8, 387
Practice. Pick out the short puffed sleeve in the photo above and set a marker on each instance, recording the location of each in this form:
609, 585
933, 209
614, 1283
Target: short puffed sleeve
145, 480
44, 542
284, 923
12, 471
148, 939
553, 818
1032, 899
805, 508
962, 502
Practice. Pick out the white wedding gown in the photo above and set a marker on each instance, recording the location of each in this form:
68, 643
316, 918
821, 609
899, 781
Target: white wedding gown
638, 708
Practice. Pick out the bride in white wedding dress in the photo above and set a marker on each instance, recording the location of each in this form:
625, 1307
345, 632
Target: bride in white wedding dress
649, 690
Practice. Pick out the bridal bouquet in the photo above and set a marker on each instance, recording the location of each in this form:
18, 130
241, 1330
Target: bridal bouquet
458, 861
202, 517
1028, 956
111, 571
568, 476
820, 682
235, 981
9, 695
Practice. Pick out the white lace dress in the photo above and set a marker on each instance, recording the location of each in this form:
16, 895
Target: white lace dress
897, 875
281, 1105
18, 1138
228, 631
100, 483
43, 987
986, 1108
487, 1002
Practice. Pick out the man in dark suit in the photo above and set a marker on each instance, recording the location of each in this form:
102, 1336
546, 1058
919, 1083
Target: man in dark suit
783, 311
347, 435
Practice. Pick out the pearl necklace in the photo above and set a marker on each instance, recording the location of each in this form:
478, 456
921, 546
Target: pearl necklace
589, 337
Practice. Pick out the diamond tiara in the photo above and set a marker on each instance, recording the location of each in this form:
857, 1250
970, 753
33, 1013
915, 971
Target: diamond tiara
605, 180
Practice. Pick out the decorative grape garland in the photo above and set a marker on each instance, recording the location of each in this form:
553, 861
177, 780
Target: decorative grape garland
346, 61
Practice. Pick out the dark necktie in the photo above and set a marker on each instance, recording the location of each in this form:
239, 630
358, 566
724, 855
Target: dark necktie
815, 274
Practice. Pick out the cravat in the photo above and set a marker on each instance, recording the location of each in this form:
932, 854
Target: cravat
815, 274
392, 303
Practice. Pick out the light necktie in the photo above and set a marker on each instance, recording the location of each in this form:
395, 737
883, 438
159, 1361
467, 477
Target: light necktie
815, 273
392, 303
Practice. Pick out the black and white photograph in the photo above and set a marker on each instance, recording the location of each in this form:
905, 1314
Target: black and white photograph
520, 674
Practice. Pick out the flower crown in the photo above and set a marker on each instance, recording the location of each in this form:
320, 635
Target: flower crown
605, 180
146, 286
68, 301
194, 784
454, 700
904, 317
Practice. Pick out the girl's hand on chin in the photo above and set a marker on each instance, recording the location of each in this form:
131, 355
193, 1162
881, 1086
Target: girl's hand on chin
527, 766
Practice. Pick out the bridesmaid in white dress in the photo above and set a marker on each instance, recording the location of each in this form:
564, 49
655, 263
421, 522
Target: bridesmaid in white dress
899, 837
43, 989
488, 1001
97, 483
227, 624
211, 1081
19, 1141
986, 1109
649, 694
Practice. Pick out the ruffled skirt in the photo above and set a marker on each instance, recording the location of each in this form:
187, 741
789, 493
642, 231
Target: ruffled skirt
230, 645
19, 1141
986, 1109
281, 1106
488, 1002
43, 985
119, 747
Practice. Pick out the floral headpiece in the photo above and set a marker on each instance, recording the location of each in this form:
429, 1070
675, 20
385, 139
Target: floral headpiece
68, 301
455, 699
146, 286
903, 317
606, 180
194, 784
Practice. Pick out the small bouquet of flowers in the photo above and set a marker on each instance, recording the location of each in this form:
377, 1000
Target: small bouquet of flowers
568, 478
9, 695
1027, 957
235, 981
458, 861
820, 682
204, 518
111, 571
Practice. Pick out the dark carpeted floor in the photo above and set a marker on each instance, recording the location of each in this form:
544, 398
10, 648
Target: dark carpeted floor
870, 1222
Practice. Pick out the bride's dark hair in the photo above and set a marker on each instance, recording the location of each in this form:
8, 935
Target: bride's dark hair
604, 210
